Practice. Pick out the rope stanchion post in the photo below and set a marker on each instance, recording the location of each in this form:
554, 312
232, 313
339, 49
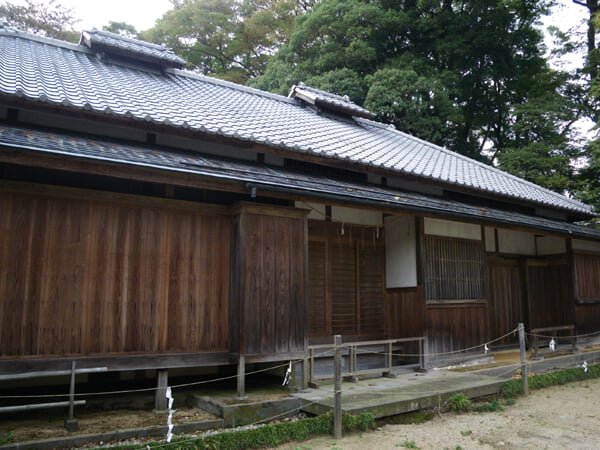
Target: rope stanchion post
241, 378
337, 387
523, 358
71, 425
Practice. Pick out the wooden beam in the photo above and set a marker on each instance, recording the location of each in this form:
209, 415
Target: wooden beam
118, 362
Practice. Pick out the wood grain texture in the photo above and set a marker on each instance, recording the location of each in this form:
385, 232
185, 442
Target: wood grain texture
452, 329
89, 276
587, 276
550, 294
506, 307
273, 308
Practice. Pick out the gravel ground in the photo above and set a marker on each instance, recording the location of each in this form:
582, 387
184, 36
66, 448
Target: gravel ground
553, 418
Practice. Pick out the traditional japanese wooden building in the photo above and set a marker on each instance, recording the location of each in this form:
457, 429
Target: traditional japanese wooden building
152, 217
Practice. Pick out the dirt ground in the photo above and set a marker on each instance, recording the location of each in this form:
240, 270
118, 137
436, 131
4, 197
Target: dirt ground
92, 422
553, 418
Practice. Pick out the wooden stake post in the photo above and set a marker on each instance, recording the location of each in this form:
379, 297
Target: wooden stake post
523, 358
337, 387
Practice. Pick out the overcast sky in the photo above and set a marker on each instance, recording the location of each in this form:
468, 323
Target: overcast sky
142, 13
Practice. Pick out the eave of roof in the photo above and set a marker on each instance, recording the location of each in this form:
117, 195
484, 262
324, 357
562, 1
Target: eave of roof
269, 178
74, 78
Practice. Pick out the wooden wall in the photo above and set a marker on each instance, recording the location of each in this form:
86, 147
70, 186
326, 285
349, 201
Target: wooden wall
550, 293
587, 276
269, 278
85, 273
505, 307
456, 328
587, 292
405, 315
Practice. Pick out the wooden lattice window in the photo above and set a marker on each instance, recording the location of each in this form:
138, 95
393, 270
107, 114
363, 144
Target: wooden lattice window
453, 270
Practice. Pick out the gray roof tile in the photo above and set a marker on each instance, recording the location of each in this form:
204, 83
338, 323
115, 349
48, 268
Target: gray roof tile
46, 70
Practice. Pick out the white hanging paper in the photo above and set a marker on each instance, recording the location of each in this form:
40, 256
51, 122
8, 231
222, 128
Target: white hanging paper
288, 373
486, 348
585, 366
170, 398
552, 345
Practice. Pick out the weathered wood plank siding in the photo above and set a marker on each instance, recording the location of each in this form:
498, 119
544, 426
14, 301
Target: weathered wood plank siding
587, 292
86, 273
405, 313
550, 294
270, 281
456, 328
506, 307
587, 276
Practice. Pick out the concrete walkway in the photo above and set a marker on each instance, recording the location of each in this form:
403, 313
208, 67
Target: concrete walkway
407, 392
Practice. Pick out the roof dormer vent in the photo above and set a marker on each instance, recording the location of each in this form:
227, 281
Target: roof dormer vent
328, 101
119, 46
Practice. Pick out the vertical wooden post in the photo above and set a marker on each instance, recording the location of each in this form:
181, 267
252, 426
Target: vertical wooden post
241, 378
337, 387
71, 424
305, 372
423, 357
72, 391
160, 399
523, 358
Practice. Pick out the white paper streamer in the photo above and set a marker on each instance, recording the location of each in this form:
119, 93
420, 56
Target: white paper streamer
486, 348
584, 366
170, 398
552, 345
288, 373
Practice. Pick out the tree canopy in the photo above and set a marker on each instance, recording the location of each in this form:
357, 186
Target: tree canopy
46, 18
227, 38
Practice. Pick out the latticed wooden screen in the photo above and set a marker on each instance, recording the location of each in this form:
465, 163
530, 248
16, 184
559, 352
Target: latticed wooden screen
453, 269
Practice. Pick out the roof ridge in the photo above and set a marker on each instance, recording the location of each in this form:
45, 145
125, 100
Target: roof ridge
128, 39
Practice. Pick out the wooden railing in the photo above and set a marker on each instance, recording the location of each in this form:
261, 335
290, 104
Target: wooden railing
553, 332
353, 352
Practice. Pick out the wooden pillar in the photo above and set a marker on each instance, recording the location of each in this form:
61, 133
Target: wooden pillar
160, 399
241, 378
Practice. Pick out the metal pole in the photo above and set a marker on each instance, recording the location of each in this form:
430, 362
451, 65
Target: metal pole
523, 358
337, 388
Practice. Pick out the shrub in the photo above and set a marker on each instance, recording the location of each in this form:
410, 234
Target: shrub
269, 435
512, 388
492, 406
459, 403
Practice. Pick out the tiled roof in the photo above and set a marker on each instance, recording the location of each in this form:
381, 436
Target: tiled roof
50, 71
107, 41
266, 178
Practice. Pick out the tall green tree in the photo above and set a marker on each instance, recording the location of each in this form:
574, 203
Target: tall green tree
588, 178
468, 75
45, 18
227, 38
